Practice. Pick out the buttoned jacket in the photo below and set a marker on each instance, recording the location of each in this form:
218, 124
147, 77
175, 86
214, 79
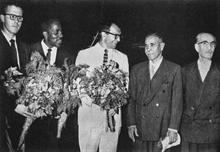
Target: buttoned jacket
201, 113
155, 104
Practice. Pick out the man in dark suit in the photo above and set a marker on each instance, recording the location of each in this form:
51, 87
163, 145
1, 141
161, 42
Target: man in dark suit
200, 127
155, 104
13, 53
43, 132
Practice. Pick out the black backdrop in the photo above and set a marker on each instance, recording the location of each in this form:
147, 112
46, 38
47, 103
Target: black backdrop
177, 20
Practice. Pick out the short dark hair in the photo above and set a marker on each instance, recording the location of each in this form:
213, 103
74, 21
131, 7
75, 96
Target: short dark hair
4, 5
156, 35
45, 26
106, 27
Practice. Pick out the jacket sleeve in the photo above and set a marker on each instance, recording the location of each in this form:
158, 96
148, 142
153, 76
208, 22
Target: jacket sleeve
131, 111
177, 100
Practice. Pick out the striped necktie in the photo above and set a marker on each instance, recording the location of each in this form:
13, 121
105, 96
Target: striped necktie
105, 57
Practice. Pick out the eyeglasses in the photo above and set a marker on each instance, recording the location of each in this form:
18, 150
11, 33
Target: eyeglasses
116, 36
15, 17
206, 43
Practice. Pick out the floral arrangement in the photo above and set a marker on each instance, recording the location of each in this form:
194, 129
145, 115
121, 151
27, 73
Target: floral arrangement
12, 81
42, 91
106, 85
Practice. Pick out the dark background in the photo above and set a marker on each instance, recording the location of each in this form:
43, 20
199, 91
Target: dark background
179, 21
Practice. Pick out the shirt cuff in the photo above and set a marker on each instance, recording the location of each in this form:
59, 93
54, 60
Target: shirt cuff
170, 129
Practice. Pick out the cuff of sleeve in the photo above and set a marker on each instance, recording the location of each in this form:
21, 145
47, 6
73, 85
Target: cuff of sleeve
170, 129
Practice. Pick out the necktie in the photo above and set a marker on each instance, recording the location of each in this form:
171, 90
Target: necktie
48, 55
152, 71
14, 53
105, 57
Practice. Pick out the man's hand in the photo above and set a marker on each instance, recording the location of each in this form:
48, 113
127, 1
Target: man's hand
172, 136
22, 110
132, 132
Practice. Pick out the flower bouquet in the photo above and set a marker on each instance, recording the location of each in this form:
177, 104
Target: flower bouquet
12, 81
106, 85
70, 95
43, 89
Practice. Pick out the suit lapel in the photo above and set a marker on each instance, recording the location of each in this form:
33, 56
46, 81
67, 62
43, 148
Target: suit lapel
159, 79
206, 84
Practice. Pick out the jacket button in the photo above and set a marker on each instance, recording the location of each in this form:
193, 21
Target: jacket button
210, 120
143, 117
157, 104
192, 108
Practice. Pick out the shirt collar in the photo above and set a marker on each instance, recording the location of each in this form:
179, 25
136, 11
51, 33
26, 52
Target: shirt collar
45, 47
8, 38
157, 63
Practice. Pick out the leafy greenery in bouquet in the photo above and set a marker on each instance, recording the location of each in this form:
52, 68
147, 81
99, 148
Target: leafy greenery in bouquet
43, 91
107, 86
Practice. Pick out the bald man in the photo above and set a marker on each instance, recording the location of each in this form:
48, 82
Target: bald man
200, 127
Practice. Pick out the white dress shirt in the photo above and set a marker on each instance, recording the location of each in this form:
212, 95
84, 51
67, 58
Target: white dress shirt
155, 66
53, 52
203, 68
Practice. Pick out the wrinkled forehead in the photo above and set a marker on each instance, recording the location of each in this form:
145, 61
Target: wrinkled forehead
205, 37
115, 29
152, 39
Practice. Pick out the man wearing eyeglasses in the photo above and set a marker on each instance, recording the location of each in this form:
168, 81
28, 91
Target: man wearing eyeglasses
12, 53
155, 103
200, 126
93, 131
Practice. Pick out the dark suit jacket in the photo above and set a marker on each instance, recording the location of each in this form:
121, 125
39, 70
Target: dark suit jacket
42, 133
63, 52
155, 105
201, 113
8, 102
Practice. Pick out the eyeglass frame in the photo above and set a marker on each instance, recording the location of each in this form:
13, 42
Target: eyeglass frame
115, 35
13, 17
206, 43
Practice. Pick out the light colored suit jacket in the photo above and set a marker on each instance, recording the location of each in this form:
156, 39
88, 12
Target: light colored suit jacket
91, 116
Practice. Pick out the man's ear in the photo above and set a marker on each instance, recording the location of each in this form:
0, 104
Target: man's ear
45, 35
103, 34
196, 46
2, 18
162, 45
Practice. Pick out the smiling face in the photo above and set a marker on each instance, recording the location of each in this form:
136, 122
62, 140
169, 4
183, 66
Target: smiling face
205, 45
153, 47
53, 36
10, 20
111, 38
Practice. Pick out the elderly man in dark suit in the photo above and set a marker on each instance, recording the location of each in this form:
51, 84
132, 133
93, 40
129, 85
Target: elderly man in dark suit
13, 53
155, 104
43, 132
200, 127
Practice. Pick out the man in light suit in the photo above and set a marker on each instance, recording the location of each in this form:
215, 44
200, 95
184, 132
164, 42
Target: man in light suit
155, 104
43, 132
91, 119
200, 127
13, 53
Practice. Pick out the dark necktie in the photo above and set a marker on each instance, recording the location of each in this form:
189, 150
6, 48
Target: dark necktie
14, 53
105, 57
48, 55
